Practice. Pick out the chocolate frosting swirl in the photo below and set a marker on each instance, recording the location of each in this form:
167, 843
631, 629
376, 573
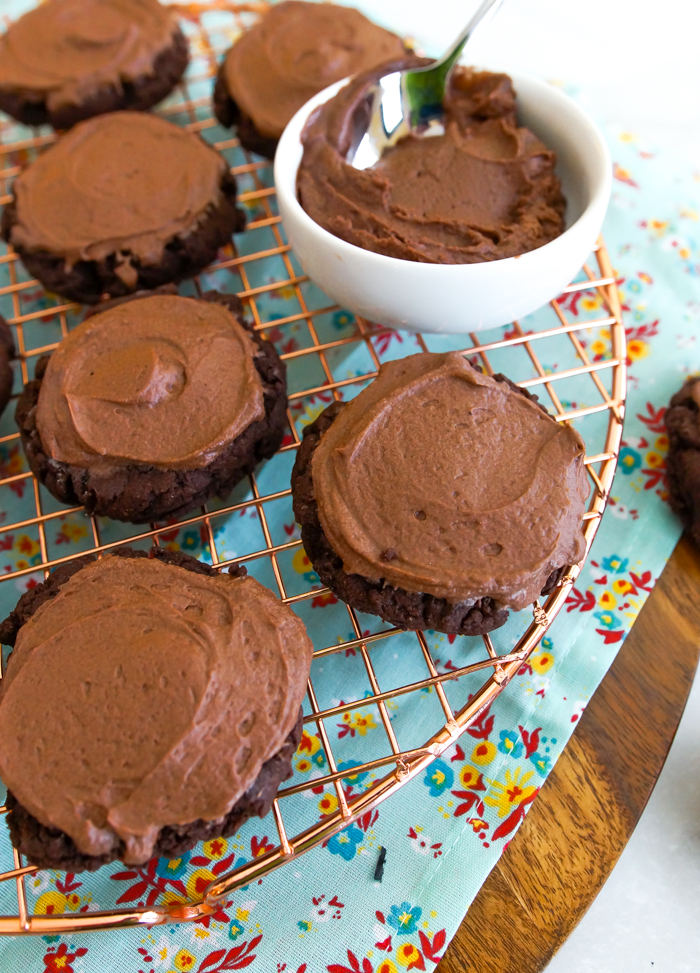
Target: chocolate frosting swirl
167, 381
145, 695
484, 190
101, 189
296, 50
66, 49
439, 479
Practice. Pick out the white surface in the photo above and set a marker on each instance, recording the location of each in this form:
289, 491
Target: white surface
647, 918
638, 59
430, 297
638, 62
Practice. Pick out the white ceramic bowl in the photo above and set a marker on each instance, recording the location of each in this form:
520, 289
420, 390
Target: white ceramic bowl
455, 298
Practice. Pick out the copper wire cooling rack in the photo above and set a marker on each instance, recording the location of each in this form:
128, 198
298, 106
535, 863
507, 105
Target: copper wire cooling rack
395, 767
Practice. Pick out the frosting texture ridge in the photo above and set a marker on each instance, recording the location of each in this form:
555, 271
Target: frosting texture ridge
102, 189
439, 479
146, 695
484, 190
165, 380
66, 49
296, 50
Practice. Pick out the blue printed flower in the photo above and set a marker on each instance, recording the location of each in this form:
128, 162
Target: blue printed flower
630, 460
235, 930
634, 285
542, 763
345, 842
615, 564
319, 759
353, 779
510, 743
172, 867
341, 319
190, 540
607, 619
547, 644
438, 777
304, 925
404, 918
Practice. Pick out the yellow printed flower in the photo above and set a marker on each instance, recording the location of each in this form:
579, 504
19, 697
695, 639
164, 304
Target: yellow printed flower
309, 743
170, 896
311, 413
661, 444
216, 848
184, 961
242, 914
73, 532
542, 662
27, 545
659, 226
599, 347
198, 881
468, 777
644, 277
637, 348
621, 587
654, 460
51, 903
627, 137
304, 766
407, 954
591, 303
505, 795
328, 804
301, 562
361, 722
484, 753
386, 966
607, 600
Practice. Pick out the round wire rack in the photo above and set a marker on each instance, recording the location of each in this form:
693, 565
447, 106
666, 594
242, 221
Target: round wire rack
600, 373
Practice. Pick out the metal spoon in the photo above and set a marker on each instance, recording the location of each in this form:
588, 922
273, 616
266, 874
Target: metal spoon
410, 102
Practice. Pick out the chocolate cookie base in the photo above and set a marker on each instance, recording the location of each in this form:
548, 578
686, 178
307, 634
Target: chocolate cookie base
30, 107
407, 609
682, 419
7, 353
138, 493
89, 281
229, 114
52, 848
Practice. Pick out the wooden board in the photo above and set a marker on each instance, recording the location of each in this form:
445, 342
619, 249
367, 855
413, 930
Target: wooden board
587, 810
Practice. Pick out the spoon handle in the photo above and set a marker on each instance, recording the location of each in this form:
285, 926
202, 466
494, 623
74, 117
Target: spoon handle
424, 88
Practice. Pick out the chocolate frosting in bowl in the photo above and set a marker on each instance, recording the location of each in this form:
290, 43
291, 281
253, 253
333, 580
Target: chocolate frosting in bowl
123, 182
439, 479
145, 695
296, 50
66, 49
484, 190
167, 381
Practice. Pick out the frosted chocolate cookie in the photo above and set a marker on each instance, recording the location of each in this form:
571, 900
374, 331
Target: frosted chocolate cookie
440, 497
122, 202
67, 60
153, 406
149, 703
7, 353
294, 51
682, 420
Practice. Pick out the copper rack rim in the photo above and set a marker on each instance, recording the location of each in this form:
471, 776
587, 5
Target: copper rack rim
397, 765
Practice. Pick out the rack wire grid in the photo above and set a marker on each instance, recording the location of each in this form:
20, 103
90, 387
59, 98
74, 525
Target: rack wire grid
316, 340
